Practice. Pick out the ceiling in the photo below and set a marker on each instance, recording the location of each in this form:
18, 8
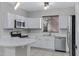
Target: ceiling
37, 6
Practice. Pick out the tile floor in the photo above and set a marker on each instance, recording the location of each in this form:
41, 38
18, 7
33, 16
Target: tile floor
45, 52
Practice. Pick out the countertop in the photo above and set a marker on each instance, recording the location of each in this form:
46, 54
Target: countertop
15, 41
60, 35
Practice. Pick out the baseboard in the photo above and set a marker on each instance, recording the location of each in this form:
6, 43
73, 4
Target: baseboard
43, 48
60, 51
49, 49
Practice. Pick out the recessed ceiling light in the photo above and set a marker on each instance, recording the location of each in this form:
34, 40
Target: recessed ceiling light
46, 5
17, 5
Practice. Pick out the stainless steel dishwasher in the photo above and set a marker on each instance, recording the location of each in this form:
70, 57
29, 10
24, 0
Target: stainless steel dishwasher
60, 43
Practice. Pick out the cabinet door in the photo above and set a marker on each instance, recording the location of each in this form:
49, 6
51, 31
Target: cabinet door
10, 21
34, 22
47, 43
37, 44
63, 21
18, 17
26, 22
37, 22
24, 19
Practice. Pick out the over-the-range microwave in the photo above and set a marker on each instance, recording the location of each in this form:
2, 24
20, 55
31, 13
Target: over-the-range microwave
19, 24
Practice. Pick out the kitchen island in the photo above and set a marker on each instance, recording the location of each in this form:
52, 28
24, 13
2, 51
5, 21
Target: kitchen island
16, 46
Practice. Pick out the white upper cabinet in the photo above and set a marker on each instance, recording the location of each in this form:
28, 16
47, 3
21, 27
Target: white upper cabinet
10, 21
33, 22
28, 22
63, 21
18, 17
24, 19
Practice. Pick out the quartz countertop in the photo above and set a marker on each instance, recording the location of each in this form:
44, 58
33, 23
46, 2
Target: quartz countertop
61, 35
15, 41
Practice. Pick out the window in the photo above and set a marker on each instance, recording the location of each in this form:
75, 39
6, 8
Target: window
51, 24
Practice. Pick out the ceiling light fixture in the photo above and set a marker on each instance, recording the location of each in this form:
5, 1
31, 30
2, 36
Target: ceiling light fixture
17, 5
46, 5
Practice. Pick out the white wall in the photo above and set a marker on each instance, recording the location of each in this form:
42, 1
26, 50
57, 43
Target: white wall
65, 11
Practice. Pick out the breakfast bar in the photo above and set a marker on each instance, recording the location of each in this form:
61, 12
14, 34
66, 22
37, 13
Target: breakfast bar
16, 46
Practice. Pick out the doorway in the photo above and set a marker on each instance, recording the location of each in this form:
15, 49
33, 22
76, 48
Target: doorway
72, 51
71, 35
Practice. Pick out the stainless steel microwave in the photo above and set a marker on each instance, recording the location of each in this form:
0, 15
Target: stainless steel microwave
19, 24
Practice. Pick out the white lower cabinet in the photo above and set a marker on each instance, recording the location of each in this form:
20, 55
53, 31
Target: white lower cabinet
47, 43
